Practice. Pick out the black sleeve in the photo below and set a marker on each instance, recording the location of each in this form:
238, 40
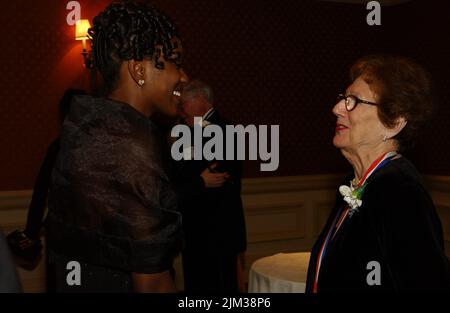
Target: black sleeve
190, 185
413, 240
187, 180
38, 202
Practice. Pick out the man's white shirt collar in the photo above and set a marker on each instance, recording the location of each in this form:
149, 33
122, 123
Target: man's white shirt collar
205, 117
208, 114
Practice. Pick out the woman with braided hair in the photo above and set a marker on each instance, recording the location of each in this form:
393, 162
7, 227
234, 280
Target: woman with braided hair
111, 207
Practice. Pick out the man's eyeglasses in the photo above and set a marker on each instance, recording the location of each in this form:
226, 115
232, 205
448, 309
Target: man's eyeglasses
352, 101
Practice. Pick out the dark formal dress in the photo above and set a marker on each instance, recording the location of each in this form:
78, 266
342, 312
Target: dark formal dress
213, 224
397, 226
111, 206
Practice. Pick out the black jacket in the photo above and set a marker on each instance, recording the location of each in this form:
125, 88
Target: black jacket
396, 226
212, 217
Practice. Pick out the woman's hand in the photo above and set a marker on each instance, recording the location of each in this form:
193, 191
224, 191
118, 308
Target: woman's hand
213, 180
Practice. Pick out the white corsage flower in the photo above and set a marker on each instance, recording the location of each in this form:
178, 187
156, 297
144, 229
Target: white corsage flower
351, 197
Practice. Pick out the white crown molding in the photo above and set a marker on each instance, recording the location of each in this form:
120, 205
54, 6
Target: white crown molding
15, 199
437, 183
290, 183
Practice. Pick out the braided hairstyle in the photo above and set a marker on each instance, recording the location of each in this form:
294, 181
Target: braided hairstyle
131, 30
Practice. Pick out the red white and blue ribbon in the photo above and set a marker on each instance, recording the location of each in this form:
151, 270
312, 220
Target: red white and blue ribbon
377, 164
343, 213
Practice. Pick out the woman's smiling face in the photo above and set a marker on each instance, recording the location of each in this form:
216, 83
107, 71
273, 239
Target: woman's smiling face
360, 127
165, 85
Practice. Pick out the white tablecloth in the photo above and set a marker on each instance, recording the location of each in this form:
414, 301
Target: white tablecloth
282, 272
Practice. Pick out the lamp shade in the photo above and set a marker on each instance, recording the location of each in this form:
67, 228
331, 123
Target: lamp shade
81, 30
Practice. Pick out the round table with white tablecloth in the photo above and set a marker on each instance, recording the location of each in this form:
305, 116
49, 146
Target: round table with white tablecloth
282, 272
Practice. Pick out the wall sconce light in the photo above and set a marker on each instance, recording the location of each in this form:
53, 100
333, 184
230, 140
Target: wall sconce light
81, 33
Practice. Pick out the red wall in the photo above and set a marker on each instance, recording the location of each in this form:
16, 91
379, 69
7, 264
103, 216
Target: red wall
270, 62
40, 59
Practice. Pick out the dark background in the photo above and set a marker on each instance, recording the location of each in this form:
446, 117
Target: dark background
269, 62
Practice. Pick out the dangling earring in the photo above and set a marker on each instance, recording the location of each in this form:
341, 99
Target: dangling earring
141, 82
384, 138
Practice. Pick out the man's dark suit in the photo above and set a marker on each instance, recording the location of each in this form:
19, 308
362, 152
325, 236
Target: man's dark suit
213, 223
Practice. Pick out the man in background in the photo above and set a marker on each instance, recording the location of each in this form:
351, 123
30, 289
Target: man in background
211, 206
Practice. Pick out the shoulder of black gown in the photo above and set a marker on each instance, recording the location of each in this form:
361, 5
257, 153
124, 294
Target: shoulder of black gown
110, 190
402, 214
397, 182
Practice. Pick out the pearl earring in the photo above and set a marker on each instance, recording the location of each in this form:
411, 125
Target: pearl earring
141, 82
385, 138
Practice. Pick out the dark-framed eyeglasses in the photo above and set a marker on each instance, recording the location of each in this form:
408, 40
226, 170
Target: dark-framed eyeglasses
352, 101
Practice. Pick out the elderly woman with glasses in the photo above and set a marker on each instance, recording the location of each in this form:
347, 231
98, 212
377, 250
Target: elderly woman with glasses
384, 233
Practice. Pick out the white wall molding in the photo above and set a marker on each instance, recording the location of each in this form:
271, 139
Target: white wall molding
437, 183
289, 183
283, 214
15, 199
